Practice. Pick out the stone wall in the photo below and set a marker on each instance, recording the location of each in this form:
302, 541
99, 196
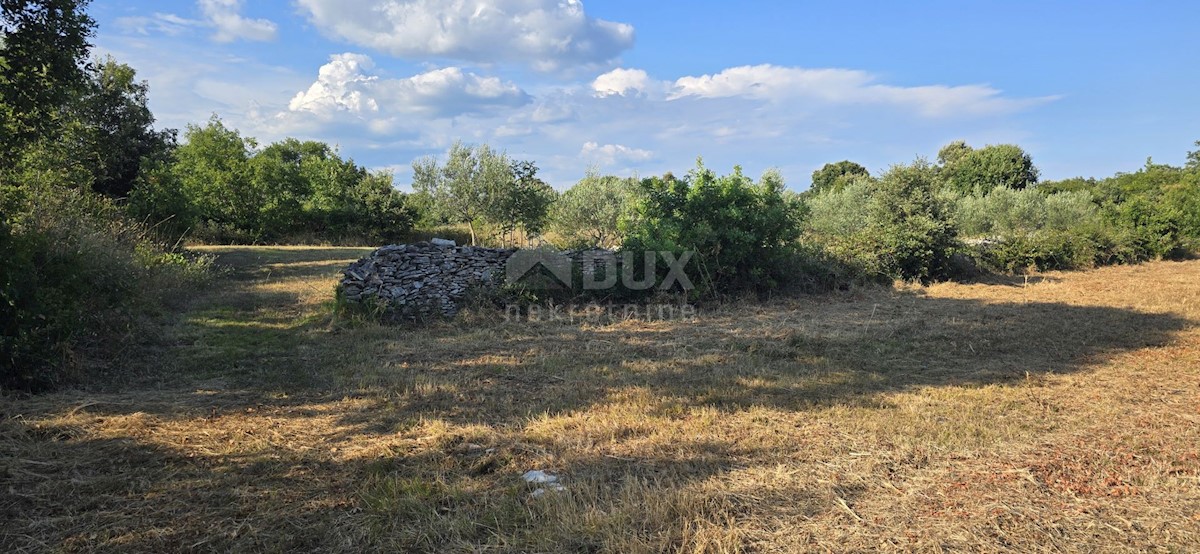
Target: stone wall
424, 279
417, 281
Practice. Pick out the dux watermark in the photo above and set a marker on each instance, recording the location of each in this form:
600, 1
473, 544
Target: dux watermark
599, 313
599, 270
591, 271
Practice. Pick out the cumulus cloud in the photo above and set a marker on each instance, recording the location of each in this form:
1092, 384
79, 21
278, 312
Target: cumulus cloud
623, 82
847, 86
230, 25
609, 154
345, 85
546, 34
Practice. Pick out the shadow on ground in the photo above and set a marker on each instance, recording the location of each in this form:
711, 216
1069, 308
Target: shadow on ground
260, 363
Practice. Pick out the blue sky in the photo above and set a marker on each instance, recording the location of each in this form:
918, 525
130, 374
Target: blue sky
1088, 88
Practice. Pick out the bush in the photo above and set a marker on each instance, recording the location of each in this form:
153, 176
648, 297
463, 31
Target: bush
1005, 212
1013, 230
76, 279
590, 213
841, 211
893, 228
742, 232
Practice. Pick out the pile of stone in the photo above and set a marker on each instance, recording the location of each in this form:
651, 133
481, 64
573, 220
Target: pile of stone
417, 281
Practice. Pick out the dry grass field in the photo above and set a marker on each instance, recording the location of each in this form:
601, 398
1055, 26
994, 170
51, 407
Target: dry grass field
1058, 414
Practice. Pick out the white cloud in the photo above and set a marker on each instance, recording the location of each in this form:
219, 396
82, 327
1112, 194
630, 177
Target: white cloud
546, 34
220, 15
345, 86
847, 86
622, 82
230, 25
341, 85
609, 154
159, 23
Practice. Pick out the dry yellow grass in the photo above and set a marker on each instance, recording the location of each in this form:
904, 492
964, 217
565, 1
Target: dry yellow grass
1060, 414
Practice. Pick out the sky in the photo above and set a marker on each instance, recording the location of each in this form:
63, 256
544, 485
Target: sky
643, 87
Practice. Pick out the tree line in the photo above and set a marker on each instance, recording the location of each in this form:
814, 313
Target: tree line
95, 202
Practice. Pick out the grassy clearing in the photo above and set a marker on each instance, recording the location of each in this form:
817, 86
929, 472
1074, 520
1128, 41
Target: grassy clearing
1060, 413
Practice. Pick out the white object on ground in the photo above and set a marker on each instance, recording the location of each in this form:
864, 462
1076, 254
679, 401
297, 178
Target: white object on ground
548, 481
555, 487
538, 476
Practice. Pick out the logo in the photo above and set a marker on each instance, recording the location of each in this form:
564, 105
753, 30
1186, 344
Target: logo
599, 269
524, 263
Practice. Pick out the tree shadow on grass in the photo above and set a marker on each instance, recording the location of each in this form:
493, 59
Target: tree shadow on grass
84, 492
789, 357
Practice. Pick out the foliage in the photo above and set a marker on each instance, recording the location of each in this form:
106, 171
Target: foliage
524, 202
1151, 213
76, 280
590, 213
894, 228
835, 176
481, 186
231, 191
741, 232
968, 170
116, 132
44, 44
1013, 230
1075, 223
841, 211
1006, 212
77, 276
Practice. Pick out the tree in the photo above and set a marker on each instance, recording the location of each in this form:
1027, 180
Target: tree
895, 227
834, 176
117, 128
1193, 158
213, 169
521, 202
953, 153
43, 47
910, 229
479, 185
969, 171
591, 212
381, 212
739, 230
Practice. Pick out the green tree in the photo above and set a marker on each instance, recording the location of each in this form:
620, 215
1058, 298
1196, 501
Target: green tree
382, 213
835, 176
520, 202
117, 128
969, 170
895, 227
465, 188
953, 153
910, 227
740, 231
590, 213
213, 169
43, 47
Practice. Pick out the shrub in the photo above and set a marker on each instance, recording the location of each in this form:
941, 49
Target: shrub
1014, 230
968, 170
76, 278
590, 213
894, 228
841, 211
741, 232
